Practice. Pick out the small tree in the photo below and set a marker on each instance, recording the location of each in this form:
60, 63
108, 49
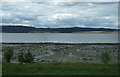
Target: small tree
8, 54
29, 57
21, 57
105, 57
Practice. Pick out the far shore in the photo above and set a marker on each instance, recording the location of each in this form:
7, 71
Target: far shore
111, 32
97, 32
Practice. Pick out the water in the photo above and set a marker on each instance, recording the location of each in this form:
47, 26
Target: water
60, 37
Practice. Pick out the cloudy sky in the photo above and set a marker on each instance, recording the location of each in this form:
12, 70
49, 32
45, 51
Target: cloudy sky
60, 14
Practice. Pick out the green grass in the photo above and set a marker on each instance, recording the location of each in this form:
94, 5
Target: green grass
60, 69
0, 68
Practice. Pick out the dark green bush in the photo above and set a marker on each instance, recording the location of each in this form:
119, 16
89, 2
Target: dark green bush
8, 54
105, 57
29, 57
21, 57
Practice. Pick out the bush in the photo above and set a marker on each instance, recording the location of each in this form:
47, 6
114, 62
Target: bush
8, 54
21, 57
105, 57
29, 58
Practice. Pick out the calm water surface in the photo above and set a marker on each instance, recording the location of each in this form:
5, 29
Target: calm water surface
60, 37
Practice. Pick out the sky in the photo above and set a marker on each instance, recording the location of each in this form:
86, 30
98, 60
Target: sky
57, 14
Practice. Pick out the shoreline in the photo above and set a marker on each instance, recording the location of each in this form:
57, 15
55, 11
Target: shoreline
61, 43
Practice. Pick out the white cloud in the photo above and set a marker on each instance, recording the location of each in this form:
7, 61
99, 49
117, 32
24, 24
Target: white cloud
62, 16
107, 17
14, 24
90, 4
59, 1
26, 21
16, 19
80, 26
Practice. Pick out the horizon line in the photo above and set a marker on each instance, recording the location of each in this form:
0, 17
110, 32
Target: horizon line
58, 27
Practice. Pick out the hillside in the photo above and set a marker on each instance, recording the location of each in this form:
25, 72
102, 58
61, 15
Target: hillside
25, 29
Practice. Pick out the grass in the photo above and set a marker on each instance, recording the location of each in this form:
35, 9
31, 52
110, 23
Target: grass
59, 69
97, 32
0, 68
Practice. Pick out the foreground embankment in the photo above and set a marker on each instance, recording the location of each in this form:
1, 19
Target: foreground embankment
65, 52
60, 69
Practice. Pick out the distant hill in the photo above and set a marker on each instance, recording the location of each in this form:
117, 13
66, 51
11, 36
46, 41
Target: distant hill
25, 29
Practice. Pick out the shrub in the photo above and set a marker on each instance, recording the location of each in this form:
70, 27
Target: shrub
105, 57
21, 57
8, 54
29, 58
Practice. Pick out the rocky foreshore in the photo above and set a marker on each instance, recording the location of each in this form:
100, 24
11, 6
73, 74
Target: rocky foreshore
61, 52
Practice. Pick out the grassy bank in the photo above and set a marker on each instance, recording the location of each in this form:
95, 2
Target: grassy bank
60, 69
97, 32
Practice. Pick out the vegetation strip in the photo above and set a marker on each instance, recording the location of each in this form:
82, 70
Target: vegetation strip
60, 69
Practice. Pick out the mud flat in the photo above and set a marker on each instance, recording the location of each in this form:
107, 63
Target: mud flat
65, 52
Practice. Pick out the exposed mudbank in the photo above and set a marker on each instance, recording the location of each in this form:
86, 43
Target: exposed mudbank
65, 52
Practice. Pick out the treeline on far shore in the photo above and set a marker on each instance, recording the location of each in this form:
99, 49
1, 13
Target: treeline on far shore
25, 29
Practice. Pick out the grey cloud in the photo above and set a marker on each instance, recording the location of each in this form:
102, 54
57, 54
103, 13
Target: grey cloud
60, 14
